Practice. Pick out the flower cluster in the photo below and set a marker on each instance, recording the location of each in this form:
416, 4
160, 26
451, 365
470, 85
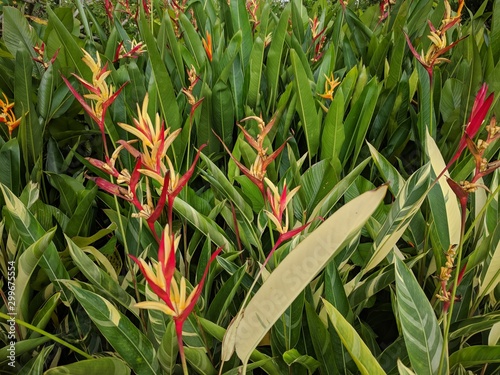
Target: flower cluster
136, 49
7, 115
101, 94
445, 291
176, 301
318, 38
330, 84
41, 58
258, 170
439, 45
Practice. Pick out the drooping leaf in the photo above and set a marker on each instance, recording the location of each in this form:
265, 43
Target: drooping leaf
104, 365
299, 268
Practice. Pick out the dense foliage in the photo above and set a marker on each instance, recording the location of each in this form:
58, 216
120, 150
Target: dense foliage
250, 187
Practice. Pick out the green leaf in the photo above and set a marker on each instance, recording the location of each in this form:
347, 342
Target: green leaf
240, 21
256, 67
23, 346
199, 361
421, 330
161, 80
223, 112
358, 120
46, 93
205, 225
17, 32
193, 42
306, 106
36, 364
29, 231
321, 342
364, 359
68, 44
82, 218
224, 298
477, 355
476, 324
44, 314
297, 270
10, 167
402, 211
69, 189
99, 278
26, 265
293, 356
273, 61
333, 135
490, 277
167, 352
129, 342
30, 130
104, 365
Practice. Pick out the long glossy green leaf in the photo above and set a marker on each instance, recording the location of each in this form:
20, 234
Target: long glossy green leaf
306, 106
203, 224
421, 330
193, 42
67, 41
173, 45
297, 270
221, 183
132, 345
491, 276
321, 342
294, 357
163, 84
443, 202
26, 265
104, 365
30, 130
364, 359
476, 324
18, 33
99, 278
29, 231
10, 167
229, 55
405, 207
332, 135
273, 61
256, 67
46, 93
199, 361
44, 314
476, 355
36, 365
240, 21
223, 115
23, 346
167, 352
80, 221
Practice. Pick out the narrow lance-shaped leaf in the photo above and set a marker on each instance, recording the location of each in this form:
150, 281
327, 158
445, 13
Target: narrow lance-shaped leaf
129, 342
364, 359
421, 330
297, 270
405, 207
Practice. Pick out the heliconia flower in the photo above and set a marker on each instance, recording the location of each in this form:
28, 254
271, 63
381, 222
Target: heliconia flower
449, 20
433, 56
7, 115
111, 188
479, 111
257, 171
177, 302
279, 203
108, 6
207, 45
101, 94
330, 84
155, 138
136, 49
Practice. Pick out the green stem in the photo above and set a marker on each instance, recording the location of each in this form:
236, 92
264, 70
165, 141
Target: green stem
49, 335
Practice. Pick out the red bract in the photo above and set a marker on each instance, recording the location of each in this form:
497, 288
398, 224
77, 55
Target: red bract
479, 111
